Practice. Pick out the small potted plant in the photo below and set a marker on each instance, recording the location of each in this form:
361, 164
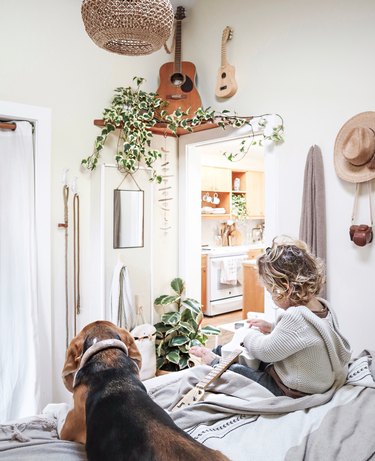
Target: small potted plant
179, 328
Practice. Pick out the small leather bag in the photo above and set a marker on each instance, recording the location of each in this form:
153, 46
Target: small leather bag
361, 234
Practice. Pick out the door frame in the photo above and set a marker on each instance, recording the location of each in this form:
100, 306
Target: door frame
190, 203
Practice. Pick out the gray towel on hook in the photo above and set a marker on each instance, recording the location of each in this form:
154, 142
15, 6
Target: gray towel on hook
313, 211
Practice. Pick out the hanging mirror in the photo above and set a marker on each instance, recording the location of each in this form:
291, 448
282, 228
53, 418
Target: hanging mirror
128, 208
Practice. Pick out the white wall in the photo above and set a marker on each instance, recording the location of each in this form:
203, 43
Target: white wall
310, 62
48, 60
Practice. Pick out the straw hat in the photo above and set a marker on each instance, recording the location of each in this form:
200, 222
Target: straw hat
354, 153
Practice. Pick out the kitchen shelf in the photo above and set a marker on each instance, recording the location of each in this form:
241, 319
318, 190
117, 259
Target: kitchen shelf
215, 215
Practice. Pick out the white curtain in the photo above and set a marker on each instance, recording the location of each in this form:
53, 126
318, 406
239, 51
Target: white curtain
19, 393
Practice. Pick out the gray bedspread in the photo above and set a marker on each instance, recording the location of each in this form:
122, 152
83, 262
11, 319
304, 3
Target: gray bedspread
238, 417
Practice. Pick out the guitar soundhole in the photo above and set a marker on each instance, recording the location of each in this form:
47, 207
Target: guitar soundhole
223, 75
177, 79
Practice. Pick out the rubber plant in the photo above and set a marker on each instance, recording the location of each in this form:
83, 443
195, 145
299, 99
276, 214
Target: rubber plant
179, 329
133, 112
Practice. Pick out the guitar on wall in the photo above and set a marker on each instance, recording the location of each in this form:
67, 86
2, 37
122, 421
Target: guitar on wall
177, 78
226, 85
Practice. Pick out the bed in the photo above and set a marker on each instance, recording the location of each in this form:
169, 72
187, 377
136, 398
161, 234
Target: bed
238, 417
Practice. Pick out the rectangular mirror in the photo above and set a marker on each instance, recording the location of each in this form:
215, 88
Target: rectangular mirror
128, 218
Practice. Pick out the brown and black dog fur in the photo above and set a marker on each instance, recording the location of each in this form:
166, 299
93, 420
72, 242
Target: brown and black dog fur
113, 414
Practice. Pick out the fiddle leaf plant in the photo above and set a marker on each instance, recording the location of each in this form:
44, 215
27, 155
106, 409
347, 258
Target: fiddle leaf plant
179, 329
134, 112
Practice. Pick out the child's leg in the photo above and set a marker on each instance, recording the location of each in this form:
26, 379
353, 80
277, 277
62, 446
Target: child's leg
260, 377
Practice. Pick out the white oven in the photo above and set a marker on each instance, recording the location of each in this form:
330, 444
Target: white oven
224, 283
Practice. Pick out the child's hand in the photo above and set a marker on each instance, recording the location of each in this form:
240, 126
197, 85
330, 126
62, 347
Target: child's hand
262, 325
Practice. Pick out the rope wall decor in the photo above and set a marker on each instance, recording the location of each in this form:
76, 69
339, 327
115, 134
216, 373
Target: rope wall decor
130, 27
76, 257
76, 261
65, 225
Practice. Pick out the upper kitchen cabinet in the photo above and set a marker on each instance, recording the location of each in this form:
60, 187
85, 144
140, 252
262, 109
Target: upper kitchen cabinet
216, 179
255, 194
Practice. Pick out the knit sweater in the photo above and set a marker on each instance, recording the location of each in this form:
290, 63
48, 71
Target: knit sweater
309, 353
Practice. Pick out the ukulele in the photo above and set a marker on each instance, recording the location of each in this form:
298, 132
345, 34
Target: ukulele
197, 393
226, 85
177, 78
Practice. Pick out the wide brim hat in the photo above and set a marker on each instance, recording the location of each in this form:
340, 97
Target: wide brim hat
354, 153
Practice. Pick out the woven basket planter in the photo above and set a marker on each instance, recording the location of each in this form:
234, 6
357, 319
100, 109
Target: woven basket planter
130, 27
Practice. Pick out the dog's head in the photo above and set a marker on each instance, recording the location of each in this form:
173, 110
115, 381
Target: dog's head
95, 331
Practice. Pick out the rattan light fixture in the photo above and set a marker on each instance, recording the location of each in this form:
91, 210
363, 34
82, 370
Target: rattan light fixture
131, 27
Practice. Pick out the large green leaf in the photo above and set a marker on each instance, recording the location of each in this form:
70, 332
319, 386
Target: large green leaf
178, 285
192, 304
171, 318
164, 300
179, 340
173, 356
187, 326
183, 362
210, 330
195, 342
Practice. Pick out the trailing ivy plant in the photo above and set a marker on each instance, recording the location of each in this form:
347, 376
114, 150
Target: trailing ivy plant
239, 206
179, 329
133, 112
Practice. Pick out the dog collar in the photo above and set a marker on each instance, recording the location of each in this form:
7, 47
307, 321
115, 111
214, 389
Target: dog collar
97, 347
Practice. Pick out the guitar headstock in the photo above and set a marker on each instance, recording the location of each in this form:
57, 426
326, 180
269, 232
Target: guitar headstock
227, 34
180, 13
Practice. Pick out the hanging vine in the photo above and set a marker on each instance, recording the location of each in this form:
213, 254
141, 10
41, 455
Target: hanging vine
133, 112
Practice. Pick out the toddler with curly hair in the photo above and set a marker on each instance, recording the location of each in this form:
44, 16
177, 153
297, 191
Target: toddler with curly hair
303, 352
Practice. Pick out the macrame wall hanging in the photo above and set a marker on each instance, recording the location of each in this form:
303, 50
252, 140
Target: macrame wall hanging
165, 191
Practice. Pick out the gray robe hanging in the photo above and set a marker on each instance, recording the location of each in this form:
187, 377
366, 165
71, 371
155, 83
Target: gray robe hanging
313, 211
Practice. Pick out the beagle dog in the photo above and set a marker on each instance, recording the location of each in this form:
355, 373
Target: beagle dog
113, 414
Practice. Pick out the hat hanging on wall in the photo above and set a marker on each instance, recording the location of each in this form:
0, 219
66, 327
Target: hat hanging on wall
130, 27
354, 154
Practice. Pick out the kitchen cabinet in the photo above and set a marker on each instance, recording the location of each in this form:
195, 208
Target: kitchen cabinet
255, 194
253, 292
216, 179
226, 184
204, 282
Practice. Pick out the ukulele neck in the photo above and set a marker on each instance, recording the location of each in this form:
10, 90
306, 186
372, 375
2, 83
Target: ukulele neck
223, 54
219, 369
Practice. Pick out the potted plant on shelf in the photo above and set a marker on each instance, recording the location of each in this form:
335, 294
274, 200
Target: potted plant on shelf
134, 112
179, 328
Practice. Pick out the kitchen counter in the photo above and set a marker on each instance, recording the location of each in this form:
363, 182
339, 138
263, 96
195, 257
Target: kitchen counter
235, 249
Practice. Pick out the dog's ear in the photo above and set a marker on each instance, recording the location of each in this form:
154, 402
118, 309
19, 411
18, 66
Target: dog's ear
133, 351
72, 360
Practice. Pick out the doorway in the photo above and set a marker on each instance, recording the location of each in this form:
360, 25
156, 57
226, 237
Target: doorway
190, 149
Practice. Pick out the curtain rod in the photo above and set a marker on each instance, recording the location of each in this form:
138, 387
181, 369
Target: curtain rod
8, 126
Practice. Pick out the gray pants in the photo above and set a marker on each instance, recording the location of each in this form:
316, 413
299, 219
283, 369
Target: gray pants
259, 376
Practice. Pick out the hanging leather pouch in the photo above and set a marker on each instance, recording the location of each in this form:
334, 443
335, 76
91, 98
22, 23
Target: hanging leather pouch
361, 234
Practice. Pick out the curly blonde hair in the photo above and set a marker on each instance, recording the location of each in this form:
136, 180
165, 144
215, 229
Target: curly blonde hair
289, 270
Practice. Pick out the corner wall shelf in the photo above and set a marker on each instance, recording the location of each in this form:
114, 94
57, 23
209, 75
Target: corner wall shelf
161, 128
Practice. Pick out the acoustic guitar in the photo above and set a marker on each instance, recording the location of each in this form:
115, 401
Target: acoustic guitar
226, 85
177, 79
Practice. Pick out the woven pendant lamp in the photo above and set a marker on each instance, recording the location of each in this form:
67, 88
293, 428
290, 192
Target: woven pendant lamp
131, 27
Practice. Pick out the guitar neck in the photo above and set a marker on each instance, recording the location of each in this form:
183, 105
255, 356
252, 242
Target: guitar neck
177, 55
219, 369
